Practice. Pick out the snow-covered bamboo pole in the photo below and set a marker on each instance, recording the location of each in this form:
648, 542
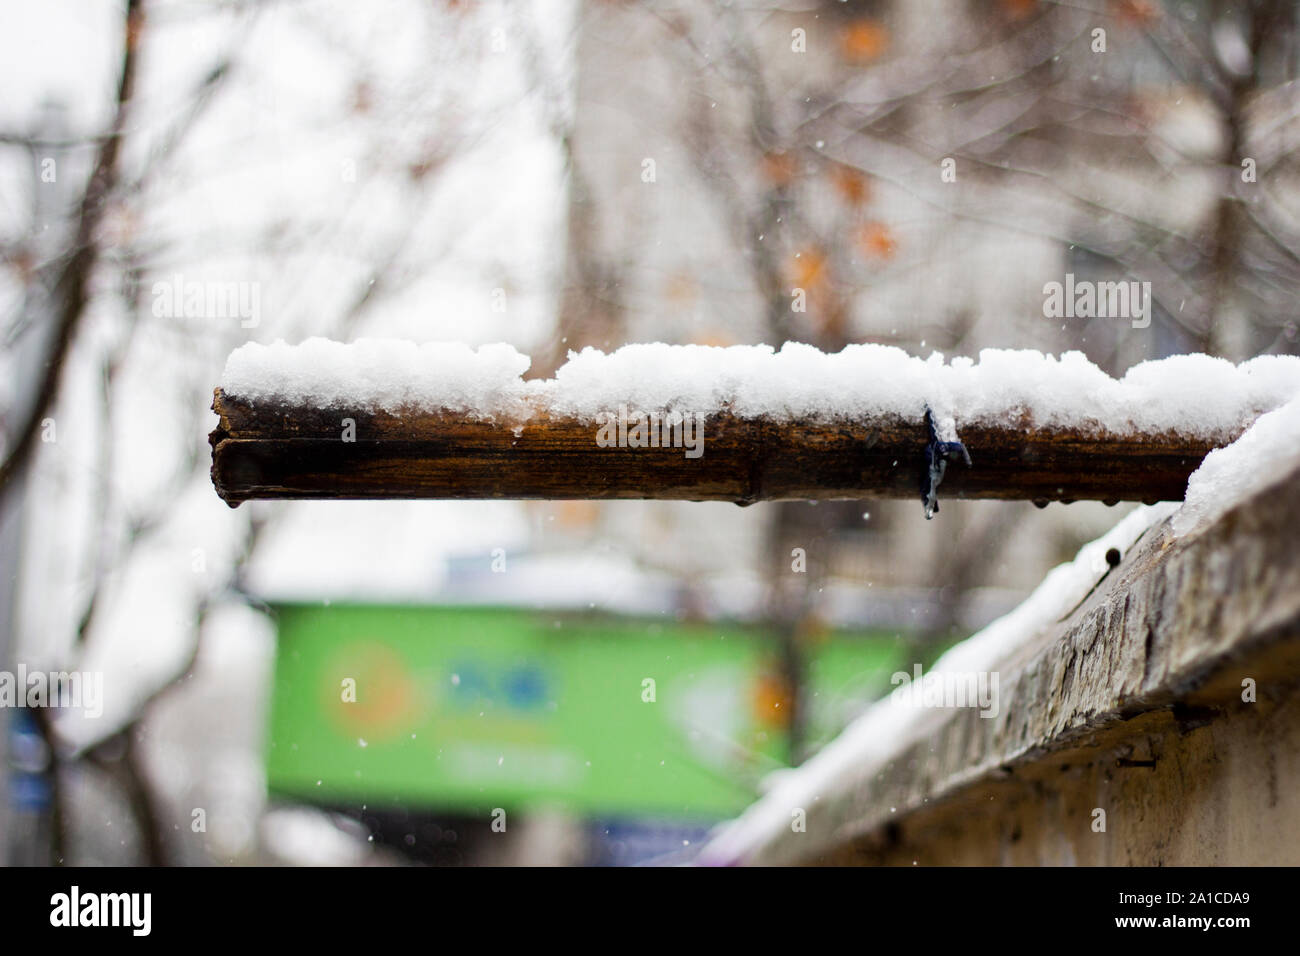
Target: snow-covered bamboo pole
392, 420
302, 451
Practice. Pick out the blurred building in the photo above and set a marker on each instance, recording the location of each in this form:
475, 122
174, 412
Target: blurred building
912, 173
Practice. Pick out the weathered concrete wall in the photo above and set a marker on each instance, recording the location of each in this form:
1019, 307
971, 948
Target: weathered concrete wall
1222, 793
1169, 699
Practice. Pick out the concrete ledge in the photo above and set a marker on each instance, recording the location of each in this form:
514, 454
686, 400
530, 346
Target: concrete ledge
1131, 704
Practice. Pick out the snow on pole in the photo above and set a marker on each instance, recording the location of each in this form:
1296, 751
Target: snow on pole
389, 419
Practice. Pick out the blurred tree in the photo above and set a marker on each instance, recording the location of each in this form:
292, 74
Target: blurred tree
189, 182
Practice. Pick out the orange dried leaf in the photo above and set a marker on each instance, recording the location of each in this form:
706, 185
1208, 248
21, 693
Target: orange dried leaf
772, 701
808, 268
852, 184
1016, 9
863, 40
876, 240
779, 169
1136, 13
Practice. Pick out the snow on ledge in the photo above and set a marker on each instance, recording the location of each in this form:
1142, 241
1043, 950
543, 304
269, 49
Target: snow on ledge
1195, 395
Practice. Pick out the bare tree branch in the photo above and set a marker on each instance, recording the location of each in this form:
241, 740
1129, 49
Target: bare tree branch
72, 286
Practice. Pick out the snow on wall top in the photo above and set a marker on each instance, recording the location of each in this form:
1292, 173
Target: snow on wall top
1192, 394
1269, 450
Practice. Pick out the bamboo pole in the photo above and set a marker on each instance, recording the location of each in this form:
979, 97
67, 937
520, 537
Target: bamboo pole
271, 451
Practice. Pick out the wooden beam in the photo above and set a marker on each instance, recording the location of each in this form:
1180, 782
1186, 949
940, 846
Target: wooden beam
273, 451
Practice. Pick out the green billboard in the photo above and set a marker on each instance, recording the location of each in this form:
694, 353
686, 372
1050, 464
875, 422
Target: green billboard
470, 709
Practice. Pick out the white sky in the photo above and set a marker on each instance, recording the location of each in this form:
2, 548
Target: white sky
260, 193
